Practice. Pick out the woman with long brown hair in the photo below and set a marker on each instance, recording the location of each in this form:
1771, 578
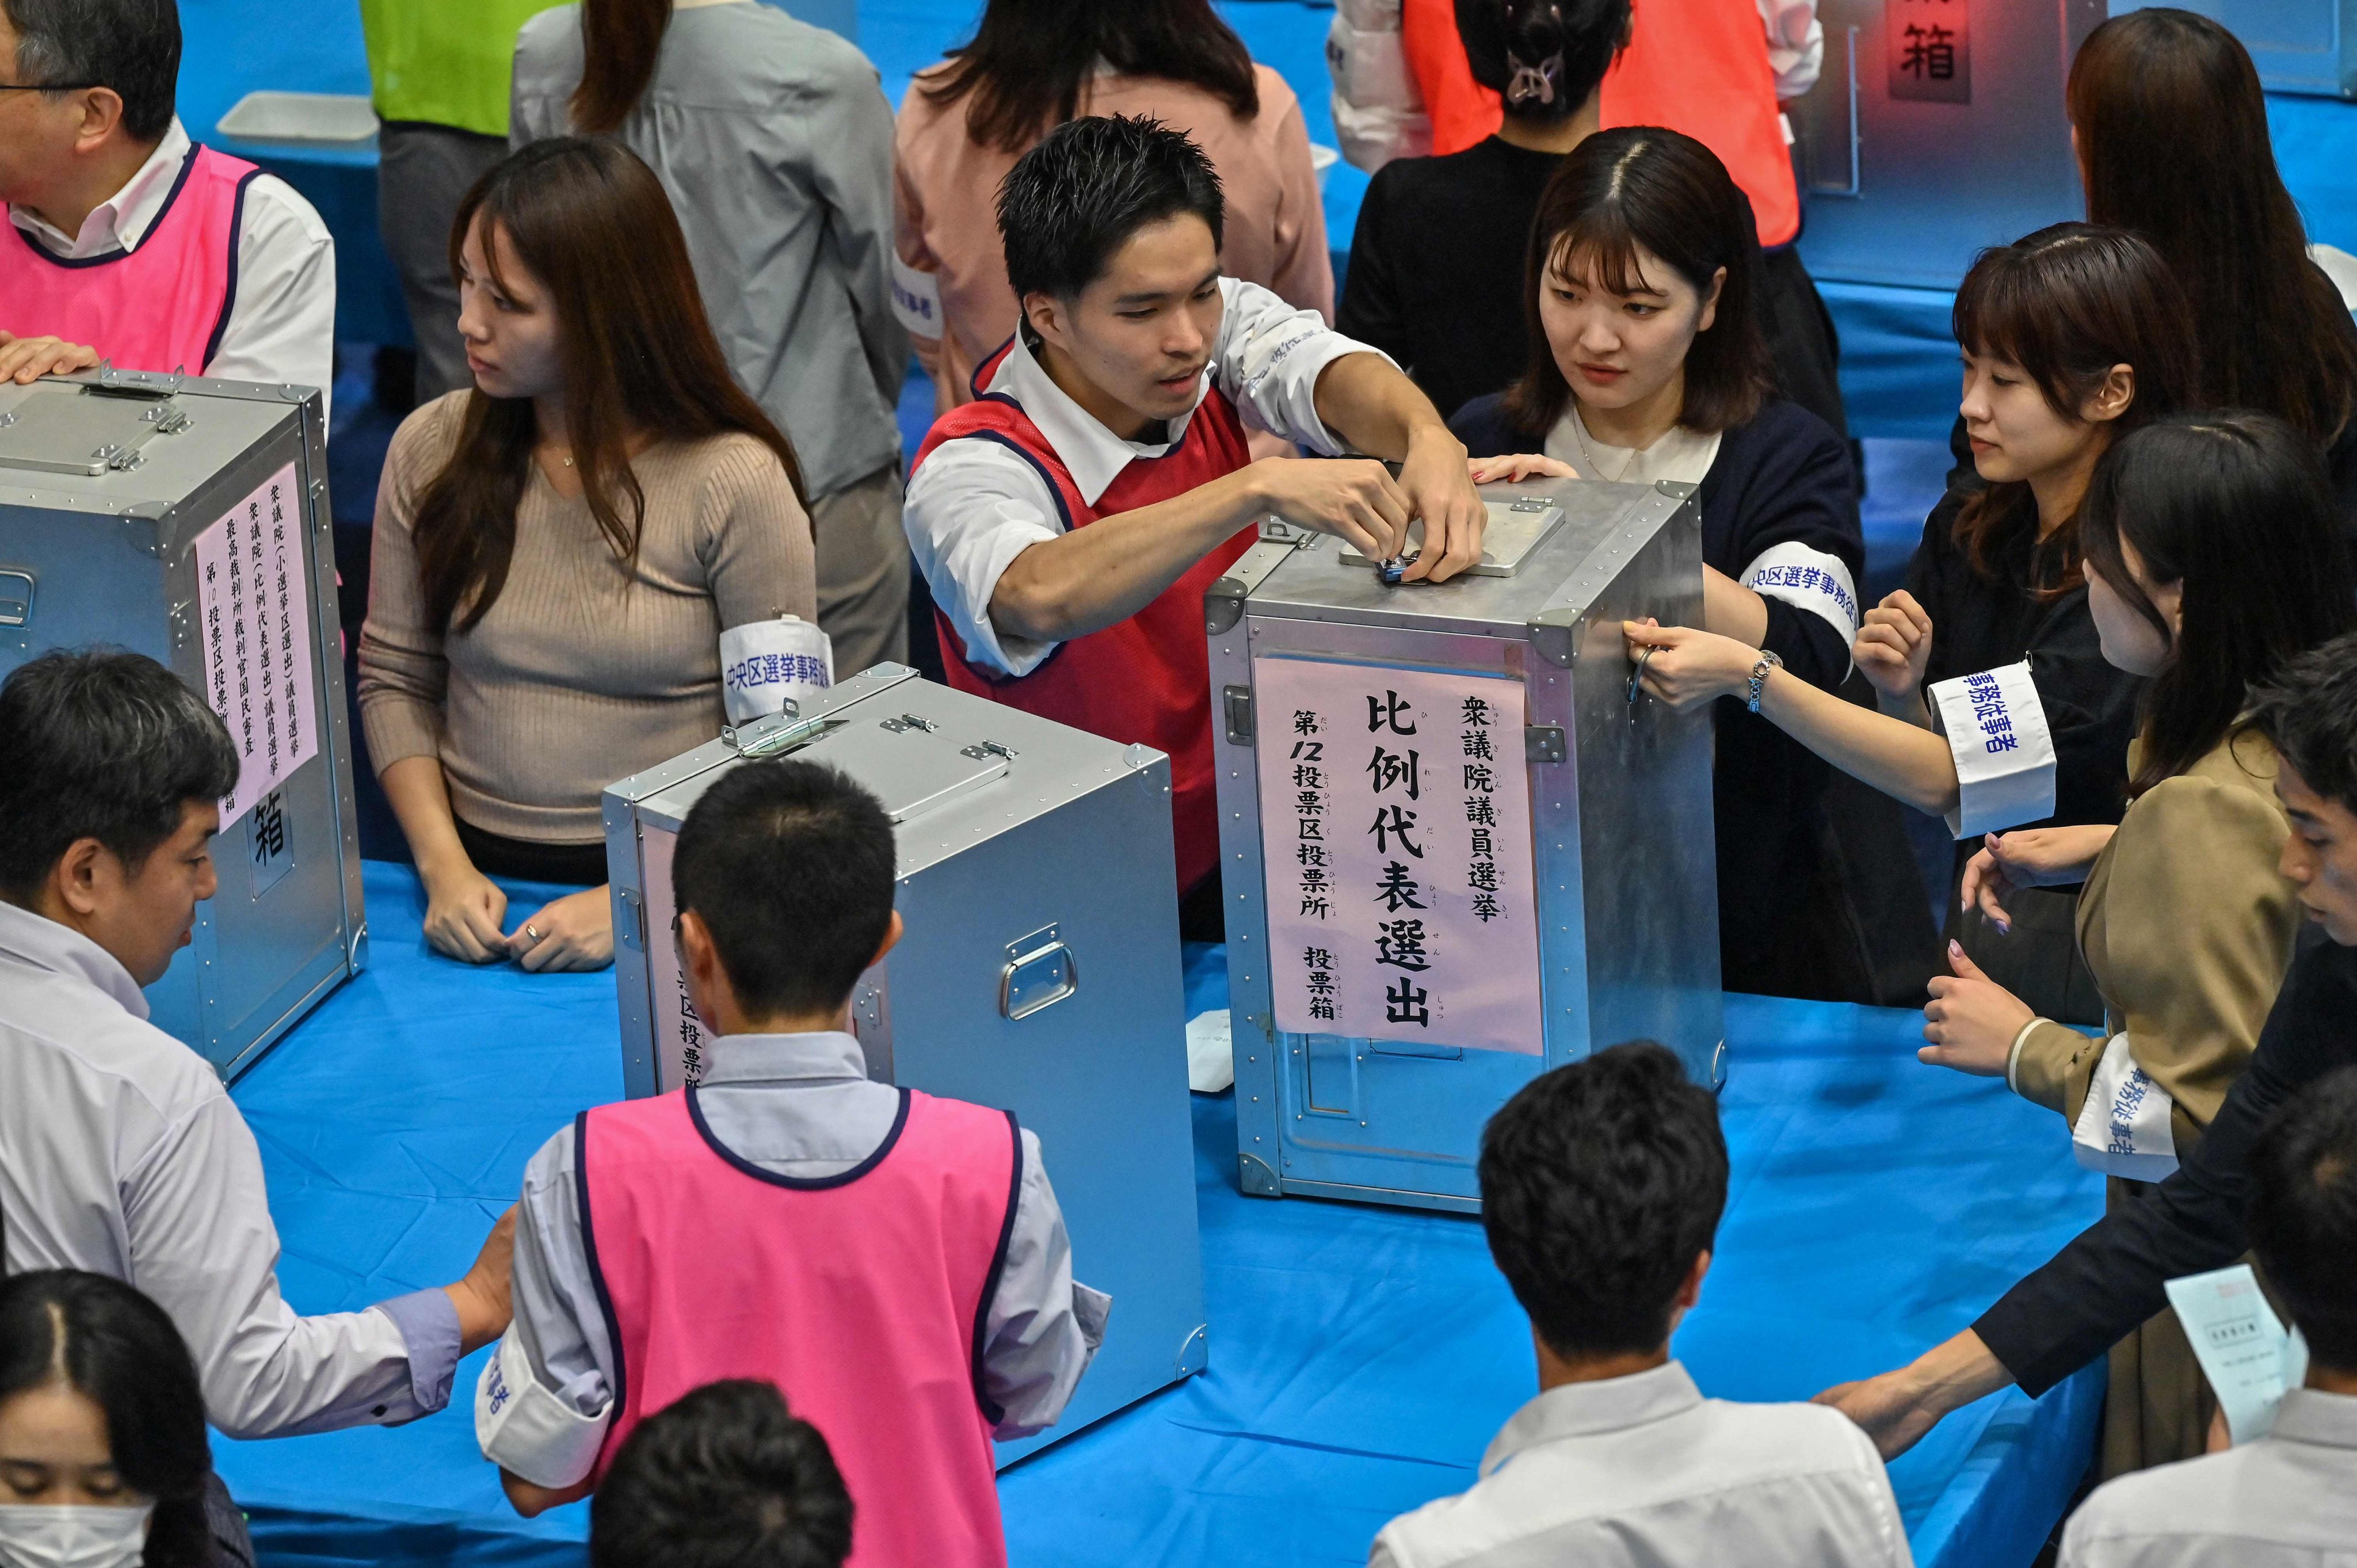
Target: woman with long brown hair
1030, 66
2071, 336
558, 550
2170, 128
774, 144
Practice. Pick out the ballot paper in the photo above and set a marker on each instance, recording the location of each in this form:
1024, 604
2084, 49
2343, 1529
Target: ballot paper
2244, 1351
1211, 1052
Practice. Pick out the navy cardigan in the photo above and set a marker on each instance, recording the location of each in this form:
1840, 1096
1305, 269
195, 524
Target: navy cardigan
1782, 478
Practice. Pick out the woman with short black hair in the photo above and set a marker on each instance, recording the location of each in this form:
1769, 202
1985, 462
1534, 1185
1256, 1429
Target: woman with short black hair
103, 1458
1647, 365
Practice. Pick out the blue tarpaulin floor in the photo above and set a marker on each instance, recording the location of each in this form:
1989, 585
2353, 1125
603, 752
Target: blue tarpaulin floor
1361, 1358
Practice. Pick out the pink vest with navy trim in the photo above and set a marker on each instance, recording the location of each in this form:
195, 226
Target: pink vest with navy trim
862, 1296
1145, 679
161, 306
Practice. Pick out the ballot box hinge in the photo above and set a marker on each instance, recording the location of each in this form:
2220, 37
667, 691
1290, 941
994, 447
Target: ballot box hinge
633, 930
1544, 743
1236, 701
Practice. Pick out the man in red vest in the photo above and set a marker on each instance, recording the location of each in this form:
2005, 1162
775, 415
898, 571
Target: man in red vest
127, 242
1069, 520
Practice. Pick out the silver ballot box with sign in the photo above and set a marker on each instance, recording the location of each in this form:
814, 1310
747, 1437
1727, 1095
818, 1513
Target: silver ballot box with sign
188, 519
1039, 972
1459, 846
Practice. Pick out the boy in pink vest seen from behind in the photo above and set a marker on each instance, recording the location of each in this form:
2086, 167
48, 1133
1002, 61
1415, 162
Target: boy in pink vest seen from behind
895, 1263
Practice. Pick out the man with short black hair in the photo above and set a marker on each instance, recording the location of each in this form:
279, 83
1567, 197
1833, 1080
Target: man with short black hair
2114, 1274
1069, 520
723, 1477
1601, 1188
898, 1261
2287, 1499
127, 242
119, 1152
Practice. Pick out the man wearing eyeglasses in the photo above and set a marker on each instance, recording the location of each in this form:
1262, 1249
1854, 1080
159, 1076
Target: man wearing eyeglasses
128, 242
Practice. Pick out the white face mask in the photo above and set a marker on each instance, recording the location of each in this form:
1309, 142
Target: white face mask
74, 1536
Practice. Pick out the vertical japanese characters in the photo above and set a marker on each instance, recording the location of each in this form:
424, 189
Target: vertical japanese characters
1399, 937
254, 631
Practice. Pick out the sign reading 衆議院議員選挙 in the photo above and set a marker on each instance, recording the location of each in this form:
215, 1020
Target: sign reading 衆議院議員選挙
1396, 834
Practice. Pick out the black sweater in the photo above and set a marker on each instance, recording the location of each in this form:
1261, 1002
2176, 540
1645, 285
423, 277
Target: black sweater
1784, 476
2111, 1277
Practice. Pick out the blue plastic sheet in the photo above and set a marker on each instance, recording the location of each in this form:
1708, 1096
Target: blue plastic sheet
1361, 1358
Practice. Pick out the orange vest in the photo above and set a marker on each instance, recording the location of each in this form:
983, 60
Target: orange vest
1695, 66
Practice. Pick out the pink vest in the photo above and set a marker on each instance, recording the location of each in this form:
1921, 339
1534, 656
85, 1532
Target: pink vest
162, 306
862, 1296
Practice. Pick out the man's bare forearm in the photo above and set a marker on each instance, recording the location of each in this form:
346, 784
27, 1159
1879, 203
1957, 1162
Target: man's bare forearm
1090, 578
1374, 408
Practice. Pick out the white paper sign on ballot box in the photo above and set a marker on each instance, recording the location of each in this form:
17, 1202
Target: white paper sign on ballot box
1395, 823
260, 668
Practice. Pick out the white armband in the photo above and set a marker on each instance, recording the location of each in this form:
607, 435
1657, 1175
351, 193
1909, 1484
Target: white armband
528, 1431
916, 299
764, 665
2123, 1129
1808, 580
1995, 725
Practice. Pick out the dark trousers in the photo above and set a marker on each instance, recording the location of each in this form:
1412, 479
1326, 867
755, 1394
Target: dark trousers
423, 173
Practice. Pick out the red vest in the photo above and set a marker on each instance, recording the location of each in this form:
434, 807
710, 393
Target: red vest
162, 306
1145, 679
862, 1296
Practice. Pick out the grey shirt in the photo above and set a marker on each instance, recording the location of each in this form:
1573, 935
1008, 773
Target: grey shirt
2285, 1500
775, 143
803, 1106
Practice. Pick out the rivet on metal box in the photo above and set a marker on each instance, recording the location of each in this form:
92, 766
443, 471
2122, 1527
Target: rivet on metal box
188, 519
1461, 846
1039, 972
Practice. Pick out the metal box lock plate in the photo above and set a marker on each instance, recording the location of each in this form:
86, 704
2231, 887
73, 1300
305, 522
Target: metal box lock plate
84, 431
1516, 529
916, 777
1041, 972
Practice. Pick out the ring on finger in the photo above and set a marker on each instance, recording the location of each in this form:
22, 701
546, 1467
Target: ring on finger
532, 932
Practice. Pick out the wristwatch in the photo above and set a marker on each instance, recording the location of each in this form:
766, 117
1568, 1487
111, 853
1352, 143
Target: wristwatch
1768, 661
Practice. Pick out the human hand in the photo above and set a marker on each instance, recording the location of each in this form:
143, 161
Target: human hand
1689, 668
26, 359
463, 911
1971, 1020
576, 931
1894, 646
484, 1297
1516, 467
1353, 499
2033, 857
1437, 479
1899, 1407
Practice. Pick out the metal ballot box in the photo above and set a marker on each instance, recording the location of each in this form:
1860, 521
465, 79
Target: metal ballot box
1459, 847
1039, 972
188, 519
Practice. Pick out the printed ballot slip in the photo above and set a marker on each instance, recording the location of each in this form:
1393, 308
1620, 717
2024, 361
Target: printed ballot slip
2247, 1353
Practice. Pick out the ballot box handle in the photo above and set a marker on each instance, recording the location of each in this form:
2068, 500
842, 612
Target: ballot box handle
1041, 972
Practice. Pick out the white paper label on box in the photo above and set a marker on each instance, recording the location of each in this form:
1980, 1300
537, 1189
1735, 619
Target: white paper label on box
681, 1040
2243, 1348
254, 616
1395, 826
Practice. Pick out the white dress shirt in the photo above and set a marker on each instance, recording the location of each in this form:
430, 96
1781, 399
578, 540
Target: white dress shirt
973, 506
1643, 1470
800, 1106
121, 1154
282, 325
2285, 1500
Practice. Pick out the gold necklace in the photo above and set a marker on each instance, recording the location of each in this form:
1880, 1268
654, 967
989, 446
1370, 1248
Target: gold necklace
1579, 434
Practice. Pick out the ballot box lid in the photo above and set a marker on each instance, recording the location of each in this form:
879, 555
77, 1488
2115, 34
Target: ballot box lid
1558, 561
133, 445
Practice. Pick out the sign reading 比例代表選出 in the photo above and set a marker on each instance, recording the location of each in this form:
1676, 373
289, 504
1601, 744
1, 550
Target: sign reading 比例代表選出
1396, 835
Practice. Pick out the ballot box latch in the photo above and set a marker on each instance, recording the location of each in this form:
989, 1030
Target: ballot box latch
1041, 972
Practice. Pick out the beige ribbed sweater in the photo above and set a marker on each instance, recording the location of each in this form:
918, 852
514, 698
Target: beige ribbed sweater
580, 674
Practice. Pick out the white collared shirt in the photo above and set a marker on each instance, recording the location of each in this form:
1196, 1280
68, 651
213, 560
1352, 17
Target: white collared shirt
973, 506
1642, 1469
121, 1154
2285, 1500
282, 325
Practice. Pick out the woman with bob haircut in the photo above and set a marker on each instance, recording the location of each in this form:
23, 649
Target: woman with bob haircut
1647, 363
104, 1462
1033, 65
558, 550
2170, 126
2071, 338
2213, 558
